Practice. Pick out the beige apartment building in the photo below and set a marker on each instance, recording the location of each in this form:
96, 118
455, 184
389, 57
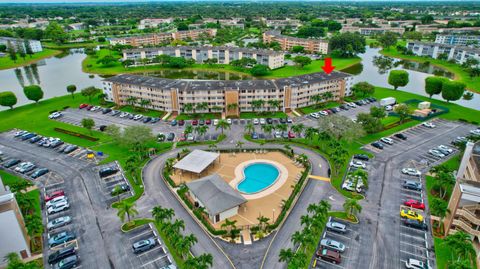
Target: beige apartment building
464, 204
161, 38
172, 95
224, 55
288, 42
372, 30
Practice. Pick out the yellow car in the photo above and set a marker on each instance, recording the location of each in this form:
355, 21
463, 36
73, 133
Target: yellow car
410, 214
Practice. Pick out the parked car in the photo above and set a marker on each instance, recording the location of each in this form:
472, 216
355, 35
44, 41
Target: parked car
283, 120
377, 145
54, 195
291, 134
19, 133
28, 136
190, 137
59, 222
428, 125
459, 140
61, 254
401, 136
411, 172
61, 238
67, 263
170, 136
147, 119
56, 142
27, 168
421, 225
285, 135
137, 117
95, 108
313, 115
387, 140
412, 185
181, 122
35, 139
262, 121
115, 112
58, 207
144, 245
362, 157
201, 122
475, 132
21, 166
414, 204
194, 122
120, 189
330, 256
70, 149
336, 227
416, 264
410, 214
269, 120
215, 122
182, 137
278, 134
107, 171
154, 120
332, 245
11, 163
56, 200
106, 110
254, 135
82, 106
39, 172
229, 121
255, 121
444, 149
436, 153
208, 121
348, 185
89, 107
173, 123
357, 164
55, 115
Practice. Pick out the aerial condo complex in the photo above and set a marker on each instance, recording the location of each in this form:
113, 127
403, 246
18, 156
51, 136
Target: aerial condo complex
239, 134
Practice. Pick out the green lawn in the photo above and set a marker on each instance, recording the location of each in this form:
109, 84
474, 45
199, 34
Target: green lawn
315, 66
6, 62
139, 110
8, 179
314, 108
64, 46
473, 84
253, 115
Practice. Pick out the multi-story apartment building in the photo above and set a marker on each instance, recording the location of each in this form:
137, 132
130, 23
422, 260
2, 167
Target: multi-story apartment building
160, 38
288, 42
464, 204
459, 53
13, 233
35, 45
458, 40
372, 30
224, 55
153, 23
280, 24
172, 95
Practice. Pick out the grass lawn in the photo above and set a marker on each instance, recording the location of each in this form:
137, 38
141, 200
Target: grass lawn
52, 45
315, 66
198, 116
253, 115
473, 84
314, 108
6, 62
342, 215
8, 179
139, 110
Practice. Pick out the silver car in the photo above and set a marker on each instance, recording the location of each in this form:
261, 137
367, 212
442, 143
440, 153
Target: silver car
58, 222
436, 153
332, 245
336, 227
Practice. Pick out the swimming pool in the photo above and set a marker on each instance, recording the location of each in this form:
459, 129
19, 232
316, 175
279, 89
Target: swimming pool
257, 177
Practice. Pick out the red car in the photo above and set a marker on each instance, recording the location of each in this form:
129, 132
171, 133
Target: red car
208, 121
54, 194
82, 106
183, 137
88, 107
291, 135
181, 122
415, 204
194, 122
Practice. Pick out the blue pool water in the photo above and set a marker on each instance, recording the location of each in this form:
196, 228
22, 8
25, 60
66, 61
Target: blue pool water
258, 177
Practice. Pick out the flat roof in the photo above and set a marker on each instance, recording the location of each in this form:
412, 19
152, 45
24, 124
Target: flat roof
196, 161
234, 49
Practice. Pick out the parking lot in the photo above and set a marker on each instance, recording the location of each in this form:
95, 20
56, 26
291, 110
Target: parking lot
387, 242
108, 184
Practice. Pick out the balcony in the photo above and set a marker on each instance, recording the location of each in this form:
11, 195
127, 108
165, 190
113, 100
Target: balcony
465, 227
471, 217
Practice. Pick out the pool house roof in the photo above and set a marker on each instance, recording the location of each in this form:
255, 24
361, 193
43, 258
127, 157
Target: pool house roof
196, 161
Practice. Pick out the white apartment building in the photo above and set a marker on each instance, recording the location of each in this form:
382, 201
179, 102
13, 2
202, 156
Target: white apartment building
458, 40
153, 23
459, 53
224, 55
35, 45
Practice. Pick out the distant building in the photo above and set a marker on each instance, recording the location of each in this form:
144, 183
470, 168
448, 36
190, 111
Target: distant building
13, 234
224, 55
372, 30
35, 45
76, 26
153, 23
160, 38
280, 24
458, 40
433, 50
236, 22
288, 42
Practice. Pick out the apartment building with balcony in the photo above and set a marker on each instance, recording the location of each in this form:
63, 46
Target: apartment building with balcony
16, 43
433, 50
224, 55
458, 40
161, 38
13, 233
288, 42
464, 204
372, 30
172, 95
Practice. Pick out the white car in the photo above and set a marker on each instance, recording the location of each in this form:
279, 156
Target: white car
332, 245
388, 108
475, 132
215, 122
387, 140
436, 153
351, 104
58, 208
357, 164
58, 222
262, 121
416, 264
56, 200
123, 114
190, 137
255, 121
411, 172
348, 185
137, 117
323, 113
229, 121
444, 149
55, 115
314, 115
428, 125
21, 166
95, 108
278, 134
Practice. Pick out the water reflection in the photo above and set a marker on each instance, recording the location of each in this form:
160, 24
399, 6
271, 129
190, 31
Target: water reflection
383, 63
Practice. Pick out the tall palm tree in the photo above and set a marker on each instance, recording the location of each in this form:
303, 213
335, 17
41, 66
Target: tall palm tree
298, 128
178, 225
183, 244
34, 226
317, 99
249, 128
201, 130
309, 133
262, 222
327, 96
188, 107
188, 129
286, 255
205, 261
256, 104
267, 128
362, 175
232, 106
443, 182
216, 108
144, 103
128, 209
439, 208
460, 244
351, 207
282, 127
297, 238
299, 260
222, 124
161, 215
202, 106
275, 104
131, 100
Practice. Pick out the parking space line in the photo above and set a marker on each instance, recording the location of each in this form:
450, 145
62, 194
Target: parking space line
146, 232
415, 246
323, 261
416, 255
150, 262
149, 251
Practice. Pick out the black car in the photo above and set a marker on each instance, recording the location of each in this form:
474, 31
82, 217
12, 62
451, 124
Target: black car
56, 143
39, 172
362, 157
120, 189
70, 149
102, 128
415, 224
11, 163
412, 185
67, 263
283, 120
106, 110
372, 99
107, 171
269, 120
344, 107
170, 137
35, 139
154, 120
358, 103
377, 145
147, 119
28, 136
61, 254
401, 136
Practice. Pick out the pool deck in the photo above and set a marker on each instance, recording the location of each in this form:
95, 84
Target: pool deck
269, 205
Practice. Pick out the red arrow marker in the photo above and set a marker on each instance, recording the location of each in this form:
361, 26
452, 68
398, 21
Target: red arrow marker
328, 68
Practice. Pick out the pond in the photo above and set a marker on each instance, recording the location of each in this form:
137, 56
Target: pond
374, 69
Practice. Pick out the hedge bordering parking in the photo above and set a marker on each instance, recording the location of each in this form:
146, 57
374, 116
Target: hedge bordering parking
79, 135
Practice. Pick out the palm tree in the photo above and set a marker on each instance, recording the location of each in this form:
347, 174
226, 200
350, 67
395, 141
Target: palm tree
274, 104
34, 226
144, 103
306, 220
202, 106
362, 175
309, 133
460, 244
439, 208
282, 127
297, 238
183, 244
256, 104
131, 100
188, 107
351, 206
317, 99
267, 128
239, 145
177, 225
302, 158
229, 224
126, 208
216, 108
191, 263
188, 129
222, 124
443, 182
298, 128
201, 130
232, 106
161, 215
460, 264
205, 261
249, 128
327, 96
286, 255
299, 260
262, 222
